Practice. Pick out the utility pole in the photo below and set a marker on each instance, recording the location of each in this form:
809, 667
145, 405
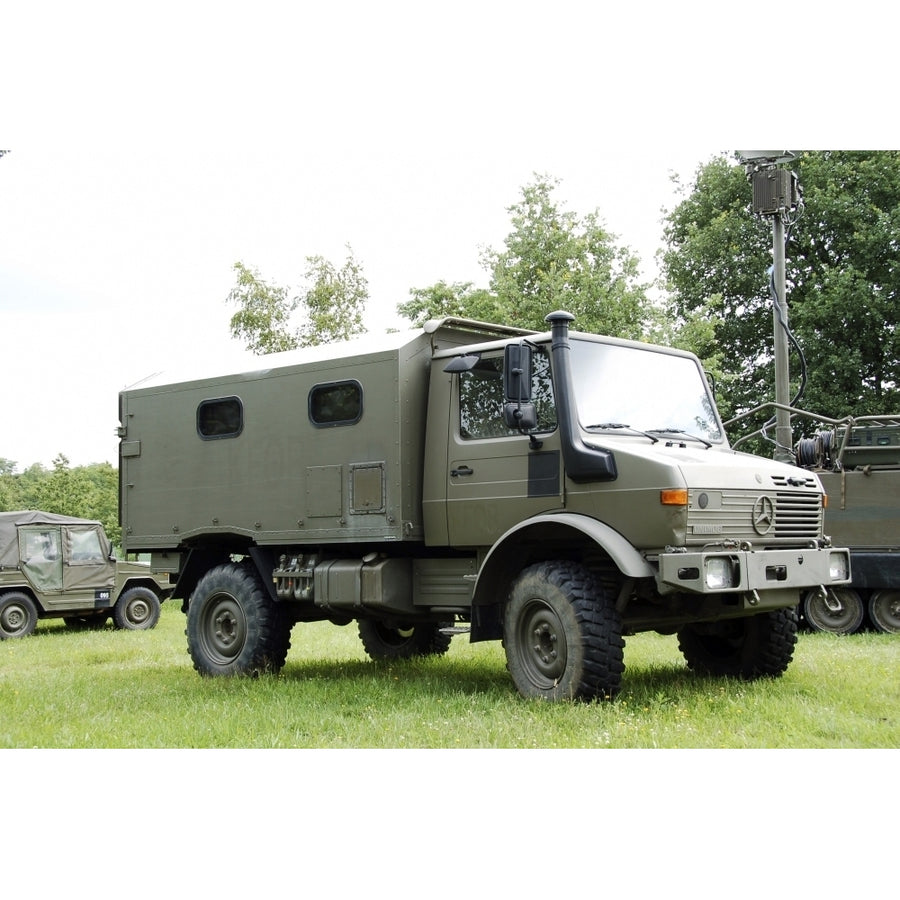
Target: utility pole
775, 193
783, 436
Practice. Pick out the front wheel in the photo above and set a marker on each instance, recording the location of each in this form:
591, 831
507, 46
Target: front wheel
382, 641
838, 611
18, 615
746, 648
137, 609
233, 625
563, 638
884, 611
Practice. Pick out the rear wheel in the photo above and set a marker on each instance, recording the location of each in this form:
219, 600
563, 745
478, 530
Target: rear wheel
747, 648
137, 609
563, 639
18, 615
884, 611
381, 641
233, 625
838, 611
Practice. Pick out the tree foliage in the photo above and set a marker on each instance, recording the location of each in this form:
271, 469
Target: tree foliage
844, 262
87, 492
333, 302
842, 280
263, 317
552, 259
330, 306
461, 298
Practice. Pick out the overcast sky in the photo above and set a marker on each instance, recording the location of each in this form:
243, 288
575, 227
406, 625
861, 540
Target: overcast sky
152, 146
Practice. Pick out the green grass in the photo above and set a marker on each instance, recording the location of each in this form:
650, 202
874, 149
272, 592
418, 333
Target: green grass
111, 689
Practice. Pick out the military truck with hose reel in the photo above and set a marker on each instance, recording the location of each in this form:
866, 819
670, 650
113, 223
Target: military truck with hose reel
857, 459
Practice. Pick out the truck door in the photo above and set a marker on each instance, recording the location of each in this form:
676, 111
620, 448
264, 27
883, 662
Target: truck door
41, 558
496, 476
88, 566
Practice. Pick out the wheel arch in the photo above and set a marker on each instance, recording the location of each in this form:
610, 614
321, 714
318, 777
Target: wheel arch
134, 581
549, 536
28, 591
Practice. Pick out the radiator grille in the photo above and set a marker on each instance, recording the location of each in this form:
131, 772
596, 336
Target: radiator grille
776, 518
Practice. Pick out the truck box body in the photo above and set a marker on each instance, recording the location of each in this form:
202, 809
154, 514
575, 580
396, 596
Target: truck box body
297, 475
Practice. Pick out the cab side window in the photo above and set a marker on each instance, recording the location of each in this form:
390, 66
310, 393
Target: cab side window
85, 548
481, 399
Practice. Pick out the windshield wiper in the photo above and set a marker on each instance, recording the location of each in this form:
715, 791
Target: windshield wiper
618, 426
682, 433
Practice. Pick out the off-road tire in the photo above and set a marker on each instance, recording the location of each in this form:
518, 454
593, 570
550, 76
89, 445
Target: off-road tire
18, 615
884, 611
746, 648
562, 635
848, 619
137, 609
381, 641
233, 625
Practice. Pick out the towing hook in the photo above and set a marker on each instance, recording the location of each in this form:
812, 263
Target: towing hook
831, 602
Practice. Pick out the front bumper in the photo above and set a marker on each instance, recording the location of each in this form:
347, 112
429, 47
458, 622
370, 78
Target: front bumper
722, 571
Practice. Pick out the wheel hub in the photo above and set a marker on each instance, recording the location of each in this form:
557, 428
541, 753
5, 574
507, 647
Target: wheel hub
545, 646
139, 611
225, 628
541, 632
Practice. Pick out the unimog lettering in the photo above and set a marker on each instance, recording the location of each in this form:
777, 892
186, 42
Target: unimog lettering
556, 491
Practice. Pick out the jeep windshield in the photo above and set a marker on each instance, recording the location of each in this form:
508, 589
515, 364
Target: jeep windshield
631, 390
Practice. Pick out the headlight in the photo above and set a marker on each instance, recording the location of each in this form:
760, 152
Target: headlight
837, 567
721, 572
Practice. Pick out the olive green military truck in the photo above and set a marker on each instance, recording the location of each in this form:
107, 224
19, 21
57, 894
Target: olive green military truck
54, 566
857, 459
557, 491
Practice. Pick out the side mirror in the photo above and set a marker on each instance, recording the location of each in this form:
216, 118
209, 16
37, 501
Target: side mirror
517, 373
518, 410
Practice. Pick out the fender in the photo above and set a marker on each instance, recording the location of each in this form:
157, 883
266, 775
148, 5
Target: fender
515, 549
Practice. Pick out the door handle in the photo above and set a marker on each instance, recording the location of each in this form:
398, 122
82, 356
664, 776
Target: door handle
462, 470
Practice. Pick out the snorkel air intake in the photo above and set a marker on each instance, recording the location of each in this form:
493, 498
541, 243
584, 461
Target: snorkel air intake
583, 461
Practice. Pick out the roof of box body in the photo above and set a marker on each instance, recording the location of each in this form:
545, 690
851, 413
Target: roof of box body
243, 362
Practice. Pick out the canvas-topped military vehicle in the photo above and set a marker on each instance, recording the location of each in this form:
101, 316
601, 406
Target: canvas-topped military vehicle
557, 491
54, 566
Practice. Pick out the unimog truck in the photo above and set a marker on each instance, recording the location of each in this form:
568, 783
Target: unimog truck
556, 491
54, 566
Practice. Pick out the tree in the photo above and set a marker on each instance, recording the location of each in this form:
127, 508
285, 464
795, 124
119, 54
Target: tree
262, 321
441, 299
842, 275
717, 253
331, 305
87, 492
844, 262
552, 259
334, 301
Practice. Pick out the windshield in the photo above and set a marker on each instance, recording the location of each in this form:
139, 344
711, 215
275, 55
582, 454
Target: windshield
618, 387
